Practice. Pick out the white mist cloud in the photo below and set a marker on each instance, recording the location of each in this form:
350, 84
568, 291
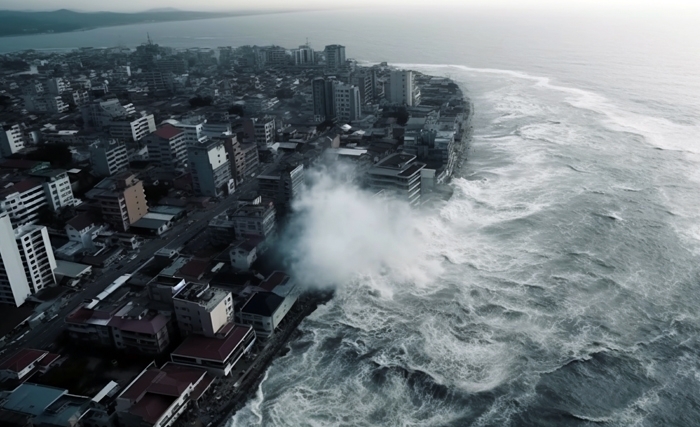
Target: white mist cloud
341, 232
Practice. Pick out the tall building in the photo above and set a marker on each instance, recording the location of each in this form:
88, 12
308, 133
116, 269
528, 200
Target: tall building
262, 129
346, 101
365, 82
22, 201
108, 157
276, 55
167, 147
26, 261
335, 56
11, 140
399, 174
402, 88
158, 81
132, 128
324, 99
57, 86
243, 158
101, 113
304, 55
201, 309
122, 200
282, 185
210, 169
254, 220
57, 188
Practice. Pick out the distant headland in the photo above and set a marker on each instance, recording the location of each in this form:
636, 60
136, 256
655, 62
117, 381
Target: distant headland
17, 23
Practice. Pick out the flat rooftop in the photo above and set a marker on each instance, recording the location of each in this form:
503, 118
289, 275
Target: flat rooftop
396, 161
218, 349
203, 295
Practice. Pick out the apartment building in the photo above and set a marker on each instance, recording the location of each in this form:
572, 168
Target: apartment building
255, 219
101, 113
282, 185
210, 169
346, 102
202, 309
399, 174
335, 56
132, 128
22, 200
57, 187
167, 147
323, 99
262, 129
11, 139
26, 261
122, 200
108, 157
402, 88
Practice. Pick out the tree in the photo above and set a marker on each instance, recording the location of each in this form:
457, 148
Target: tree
237, 109
58, 155
199, 101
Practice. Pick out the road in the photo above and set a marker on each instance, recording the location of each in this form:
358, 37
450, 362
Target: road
42, 336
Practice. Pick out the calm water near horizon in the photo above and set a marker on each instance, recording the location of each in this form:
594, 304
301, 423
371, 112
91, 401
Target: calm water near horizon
560, 284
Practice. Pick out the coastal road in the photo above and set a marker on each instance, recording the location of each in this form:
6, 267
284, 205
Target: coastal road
42, 336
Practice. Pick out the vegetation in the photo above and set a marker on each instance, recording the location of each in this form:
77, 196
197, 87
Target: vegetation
237, 109
58, 155
199, 101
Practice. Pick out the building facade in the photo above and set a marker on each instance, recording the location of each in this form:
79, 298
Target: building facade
22, 201
201, 309
346, 101
11, 140
122, 200
57, 188
335, 56
402, 88
26, 261
108, 157
399, 174
167, 147
210, 169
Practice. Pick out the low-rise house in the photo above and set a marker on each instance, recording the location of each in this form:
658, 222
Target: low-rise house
24, 362
157, 397
219, 354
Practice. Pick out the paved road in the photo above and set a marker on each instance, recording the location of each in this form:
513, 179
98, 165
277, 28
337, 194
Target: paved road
44, 335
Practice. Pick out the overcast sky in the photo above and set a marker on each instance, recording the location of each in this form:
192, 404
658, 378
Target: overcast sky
141, 5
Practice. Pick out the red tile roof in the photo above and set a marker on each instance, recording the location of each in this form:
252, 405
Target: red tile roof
170, 380
218, 349
49, 359
21, 359
194, 268
152, 406
168, 131
275, 279
143, 326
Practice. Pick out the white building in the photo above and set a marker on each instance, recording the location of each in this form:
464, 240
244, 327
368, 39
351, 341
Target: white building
57, 188
346, 100
22, 201
210, 169
108, 157
203, 310
167, 147
101, 113
11, 140
57, 86
134, 128
26, 261
265, 310
256, 219
399, 174
402, 88
304, 55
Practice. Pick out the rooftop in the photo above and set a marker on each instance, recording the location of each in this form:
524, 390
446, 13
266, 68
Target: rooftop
203, 295
168, 131
218, 349
262, 304
21, 359
32, 398
396, 161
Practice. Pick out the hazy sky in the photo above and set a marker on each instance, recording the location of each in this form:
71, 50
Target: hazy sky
140, 5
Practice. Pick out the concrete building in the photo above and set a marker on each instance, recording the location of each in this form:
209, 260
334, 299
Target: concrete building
210, 169
402, 88
57, 86
22, 200
399, 174
167, 147
57, 188
108, 157
304, 55
122, 200
11, 139
262, 129
201, 309
218, 355
323, 99
116, 319
335, 56
282, 185
133, 128
159, 82
26, 261
254, 220
276, 55
158, 397
346, 101
100, 114
24, 362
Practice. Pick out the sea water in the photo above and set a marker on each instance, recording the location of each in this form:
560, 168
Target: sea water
558, 286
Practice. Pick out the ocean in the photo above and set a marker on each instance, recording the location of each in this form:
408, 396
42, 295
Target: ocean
558, 286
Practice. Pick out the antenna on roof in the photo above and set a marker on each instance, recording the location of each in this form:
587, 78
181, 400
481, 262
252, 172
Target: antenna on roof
148, 35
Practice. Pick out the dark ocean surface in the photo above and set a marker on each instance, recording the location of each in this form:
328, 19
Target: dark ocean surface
559, 286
